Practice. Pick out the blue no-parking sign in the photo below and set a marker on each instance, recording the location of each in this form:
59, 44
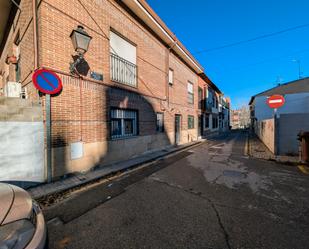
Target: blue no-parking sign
47, 81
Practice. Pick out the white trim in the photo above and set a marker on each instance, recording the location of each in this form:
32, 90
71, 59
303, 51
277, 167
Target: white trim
275, 101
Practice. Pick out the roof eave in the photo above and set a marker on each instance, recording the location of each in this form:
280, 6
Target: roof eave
208, 81
141, 9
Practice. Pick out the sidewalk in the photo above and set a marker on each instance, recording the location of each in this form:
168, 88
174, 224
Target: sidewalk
257, 149
79, 179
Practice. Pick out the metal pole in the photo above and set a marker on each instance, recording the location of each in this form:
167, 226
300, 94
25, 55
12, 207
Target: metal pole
299, 73
48, 139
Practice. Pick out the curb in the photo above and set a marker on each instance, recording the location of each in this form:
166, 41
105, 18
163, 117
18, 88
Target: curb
79, 179
246, 149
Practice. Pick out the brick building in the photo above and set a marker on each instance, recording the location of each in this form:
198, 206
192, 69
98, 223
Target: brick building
136, 90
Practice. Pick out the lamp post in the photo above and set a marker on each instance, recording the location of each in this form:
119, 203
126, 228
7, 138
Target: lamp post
299, 70
80, 40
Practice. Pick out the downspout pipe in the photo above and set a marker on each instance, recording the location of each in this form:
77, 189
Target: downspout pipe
35, 34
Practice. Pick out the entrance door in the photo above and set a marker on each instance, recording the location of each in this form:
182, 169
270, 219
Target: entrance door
200, 125
177, 128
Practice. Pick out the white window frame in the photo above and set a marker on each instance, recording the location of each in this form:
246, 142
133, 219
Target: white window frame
190, 89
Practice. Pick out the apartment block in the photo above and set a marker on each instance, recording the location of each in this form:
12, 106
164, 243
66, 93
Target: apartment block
136, 90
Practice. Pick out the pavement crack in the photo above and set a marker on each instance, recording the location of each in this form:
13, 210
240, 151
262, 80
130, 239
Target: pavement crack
216, 179
199, 194
225, 233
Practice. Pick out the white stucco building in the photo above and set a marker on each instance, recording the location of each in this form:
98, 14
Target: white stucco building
280, 134
296, 94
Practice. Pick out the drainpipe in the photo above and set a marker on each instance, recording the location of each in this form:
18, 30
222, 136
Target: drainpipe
168, 67
35, 33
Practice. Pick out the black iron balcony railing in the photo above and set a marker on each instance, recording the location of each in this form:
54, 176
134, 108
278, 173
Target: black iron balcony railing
208, 105
123, 71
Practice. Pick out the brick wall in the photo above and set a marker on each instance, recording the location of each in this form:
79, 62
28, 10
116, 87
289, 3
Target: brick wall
59, 18
80, 112
21, 30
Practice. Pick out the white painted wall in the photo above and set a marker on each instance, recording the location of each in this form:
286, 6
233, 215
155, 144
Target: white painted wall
22, 151
294, 103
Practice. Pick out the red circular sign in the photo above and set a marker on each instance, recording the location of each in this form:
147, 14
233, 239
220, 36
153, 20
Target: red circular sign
47, 81
275, 101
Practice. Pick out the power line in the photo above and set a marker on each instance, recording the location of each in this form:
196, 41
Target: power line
253, 39
267, 60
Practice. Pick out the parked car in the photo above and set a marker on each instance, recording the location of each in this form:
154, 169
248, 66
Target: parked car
22, 224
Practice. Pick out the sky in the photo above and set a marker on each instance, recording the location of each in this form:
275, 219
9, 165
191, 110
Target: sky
249, 68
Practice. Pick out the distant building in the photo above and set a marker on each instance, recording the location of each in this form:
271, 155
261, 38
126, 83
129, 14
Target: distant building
280, 133
213, 108
224, 113
240, 118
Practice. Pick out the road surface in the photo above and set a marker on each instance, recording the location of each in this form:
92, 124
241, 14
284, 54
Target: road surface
212, 196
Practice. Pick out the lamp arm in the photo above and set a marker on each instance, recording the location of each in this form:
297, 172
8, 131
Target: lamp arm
75, 63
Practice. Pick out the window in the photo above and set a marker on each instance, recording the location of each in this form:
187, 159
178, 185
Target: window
190, 122
171, 76
123, 60
160, 124
123, 123
190, 93
210, 99
200, 98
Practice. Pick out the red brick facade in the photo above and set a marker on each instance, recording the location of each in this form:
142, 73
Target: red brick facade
81, 111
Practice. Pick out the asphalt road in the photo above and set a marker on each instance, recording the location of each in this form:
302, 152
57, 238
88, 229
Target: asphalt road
212, 196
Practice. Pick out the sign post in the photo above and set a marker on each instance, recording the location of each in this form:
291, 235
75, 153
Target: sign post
49, 83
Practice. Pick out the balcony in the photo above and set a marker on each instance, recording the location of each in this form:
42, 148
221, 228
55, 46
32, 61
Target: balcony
208, 105
123, 71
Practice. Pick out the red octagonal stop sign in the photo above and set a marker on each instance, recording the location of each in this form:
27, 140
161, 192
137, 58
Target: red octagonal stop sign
275, 101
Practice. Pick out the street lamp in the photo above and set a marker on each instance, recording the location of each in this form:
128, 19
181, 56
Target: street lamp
80, 40
299, 68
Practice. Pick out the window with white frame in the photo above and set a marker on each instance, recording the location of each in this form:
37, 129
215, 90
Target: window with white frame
190, 93
171, 76
123, 123
123, 60
160, 124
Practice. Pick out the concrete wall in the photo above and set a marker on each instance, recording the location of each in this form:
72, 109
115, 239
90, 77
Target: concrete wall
289, 125
265, 130
280, 135
103, 153
294, 103
22, 141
